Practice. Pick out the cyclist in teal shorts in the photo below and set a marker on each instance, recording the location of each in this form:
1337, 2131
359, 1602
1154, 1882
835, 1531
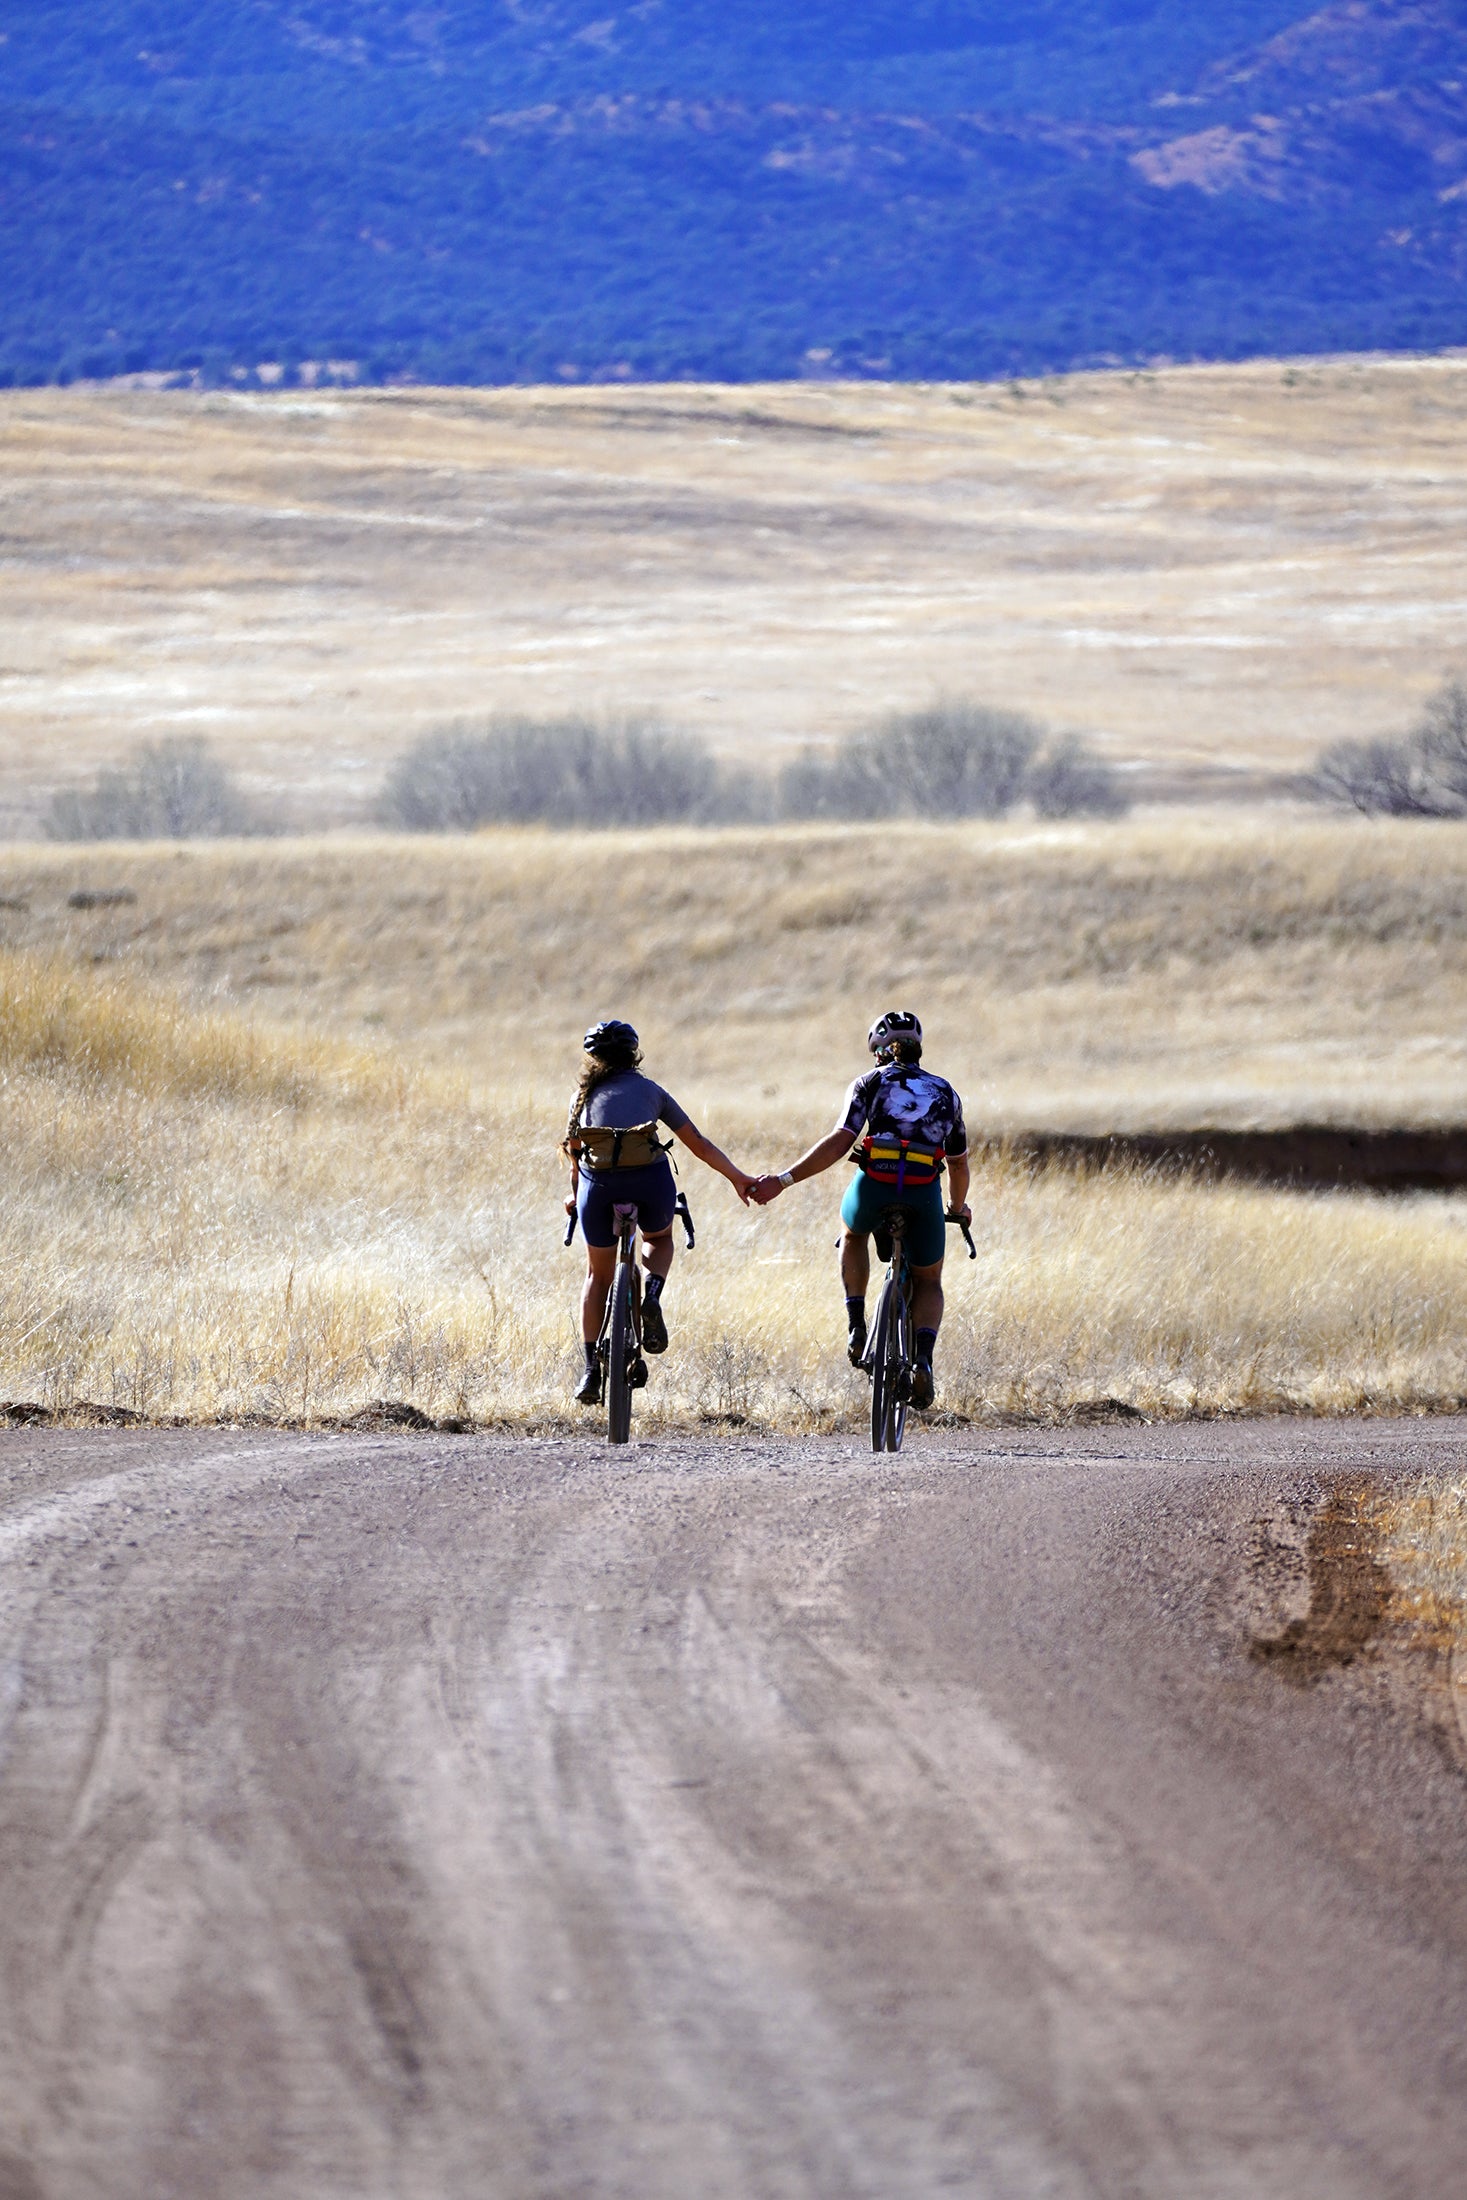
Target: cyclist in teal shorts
910, 1123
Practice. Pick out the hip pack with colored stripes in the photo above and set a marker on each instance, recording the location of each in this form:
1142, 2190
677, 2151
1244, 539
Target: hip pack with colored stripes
900, 1162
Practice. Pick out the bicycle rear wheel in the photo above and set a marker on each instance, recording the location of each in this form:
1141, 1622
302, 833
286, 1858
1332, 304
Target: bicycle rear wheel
891, 1354
620, 1345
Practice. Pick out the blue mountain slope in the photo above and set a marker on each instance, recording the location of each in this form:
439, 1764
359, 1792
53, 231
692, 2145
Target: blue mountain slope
518, 188
334, 66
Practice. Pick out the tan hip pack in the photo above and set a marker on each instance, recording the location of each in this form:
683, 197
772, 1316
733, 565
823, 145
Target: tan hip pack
596, 1147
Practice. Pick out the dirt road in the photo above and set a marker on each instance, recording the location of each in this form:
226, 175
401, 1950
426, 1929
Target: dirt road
1030, 1815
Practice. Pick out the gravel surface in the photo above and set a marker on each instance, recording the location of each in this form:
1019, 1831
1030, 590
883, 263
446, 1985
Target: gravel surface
1030, 1814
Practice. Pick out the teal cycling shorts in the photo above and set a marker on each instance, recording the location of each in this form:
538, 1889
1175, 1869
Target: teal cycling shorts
866, 1202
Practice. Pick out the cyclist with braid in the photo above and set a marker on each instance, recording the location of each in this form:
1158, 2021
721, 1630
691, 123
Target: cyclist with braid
909, 1123
618, 1158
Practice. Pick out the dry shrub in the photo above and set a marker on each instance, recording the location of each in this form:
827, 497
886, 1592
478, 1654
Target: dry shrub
564, 771
1423, 774
174, 789
953, 759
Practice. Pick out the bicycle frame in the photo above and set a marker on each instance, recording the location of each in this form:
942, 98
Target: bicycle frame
889, 1359
623, 1369
619, 1344
891, 1343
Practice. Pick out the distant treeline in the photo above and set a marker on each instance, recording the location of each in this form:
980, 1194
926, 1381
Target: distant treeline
954, 759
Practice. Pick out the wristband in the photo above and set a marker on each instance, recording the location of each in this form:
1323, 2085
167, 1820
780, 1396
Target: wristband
786, 1176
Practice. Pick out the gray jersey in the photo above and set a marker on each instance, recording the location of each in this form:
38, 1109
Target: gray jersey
626, 1099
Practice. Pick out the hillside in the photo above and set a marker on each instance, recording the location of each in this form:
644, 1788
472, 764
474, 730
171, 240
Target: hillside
1149, 974
1210, 570
516, 192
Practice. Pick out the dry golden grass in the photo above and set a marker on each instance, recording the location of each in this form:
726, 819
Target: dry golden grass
212, 1209
1179, 971
1208, 566
57, 1021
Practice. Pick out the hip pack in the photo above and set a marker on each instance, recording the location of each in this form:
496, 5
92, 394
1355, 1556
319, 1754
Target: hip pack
899, 1162
597, 1147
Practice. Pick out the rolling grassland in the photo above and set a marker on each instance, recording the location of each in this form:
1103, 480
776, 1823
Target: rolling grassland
280, 1128
1209, 570
1244, 969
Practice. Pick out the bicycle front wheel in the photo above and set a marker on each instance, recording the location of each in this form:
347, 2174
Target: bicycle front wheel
891, 1354
619, 1348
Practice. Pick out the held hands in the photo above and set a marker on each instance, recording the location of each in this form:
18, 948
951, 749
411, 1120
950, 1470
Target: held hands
759, 1189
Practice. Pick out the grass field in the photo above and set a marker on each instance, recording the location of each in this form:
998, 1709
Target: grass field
280, 1130
1243, 969
1209, 569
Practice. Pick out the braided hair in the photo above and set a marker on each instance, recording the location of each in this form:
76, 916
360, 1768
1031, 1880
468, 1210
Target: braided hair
610, 1061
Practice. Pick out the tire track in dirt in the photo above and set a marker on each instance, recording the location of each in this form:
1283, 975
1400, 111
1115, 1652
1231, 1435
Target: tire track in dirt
431, 1818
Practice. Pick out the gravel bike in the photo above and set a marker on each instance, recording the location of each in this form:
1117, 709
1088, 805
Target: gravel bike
888, 1359
619, 1345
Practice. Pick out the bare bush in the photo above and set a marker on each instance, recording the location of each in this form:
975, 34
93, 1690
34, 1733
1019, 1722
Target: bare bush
1070, 780
1381, 778
175, 789
953, 759
959, 759
1422, 774
1441, 738
564, 771
845, 785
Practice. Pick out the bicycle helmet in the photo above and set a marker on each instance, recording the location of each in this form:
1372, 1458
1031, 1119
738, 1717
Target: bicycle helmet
898, 1027
613, 1034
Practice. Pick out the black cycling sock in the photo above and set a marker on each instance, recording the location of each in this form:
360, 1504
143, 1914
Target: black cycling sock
926, 1345
652, 1288
855, 1314
592, 1354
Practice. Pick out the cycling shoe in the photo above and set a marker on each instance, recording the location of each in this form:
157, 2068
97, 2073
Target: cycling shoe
922, 1386
654, 1326
856, 1346
637, 1375
588, 1390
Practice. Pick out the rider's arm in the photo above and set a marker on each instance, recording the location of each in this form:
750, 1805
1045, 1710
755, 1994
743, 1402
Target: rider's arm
957, 1183
833, 1147
716, 1158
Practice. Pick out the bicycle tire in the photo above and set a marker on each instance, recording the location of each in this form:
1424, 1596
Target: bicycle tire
619, 1357
890, 1360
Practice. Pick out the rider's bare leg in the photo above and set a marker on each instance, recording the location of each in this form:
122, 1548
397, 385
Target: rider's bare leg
657, 1252
855, 1263
927, 1296
600, 1268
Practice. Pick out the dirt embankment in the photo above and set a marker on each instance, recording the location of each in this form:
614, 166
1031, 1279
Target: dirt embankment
1308, 1156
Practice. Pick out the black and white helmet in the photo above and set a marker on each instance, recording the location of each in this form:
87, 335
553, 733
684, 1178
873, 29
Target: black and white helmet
898, 1027
613, 1036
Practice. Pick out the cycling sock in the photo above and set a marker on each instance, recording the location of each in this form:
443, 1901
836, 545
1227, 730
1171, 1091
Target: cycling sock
926, 1345
652, 1288
592, 1354
855, 1314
